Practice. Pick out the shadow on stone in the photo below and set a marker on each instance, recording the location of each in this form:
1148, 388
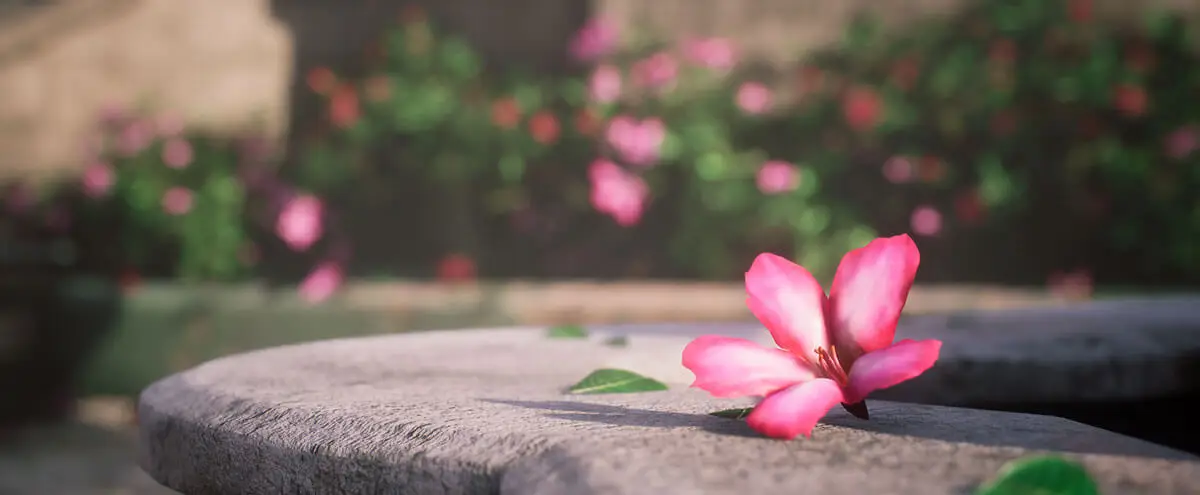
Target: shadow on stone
930, 422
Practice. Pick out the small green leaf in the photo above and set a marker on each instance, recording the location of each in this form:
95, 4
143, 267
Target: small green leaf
738, 414
567, 332
613, 381
1041, 475
618, 341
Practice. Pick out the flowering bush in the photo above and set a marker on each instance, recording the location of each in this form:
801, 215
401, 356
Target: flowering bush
157, 200
1032, 135
1026, 133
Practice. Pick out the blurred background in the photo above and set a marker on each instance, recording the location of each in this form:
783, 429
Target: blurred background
184, 180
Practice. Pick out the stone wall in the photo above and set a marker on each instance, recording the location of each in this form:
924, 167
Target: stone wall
230, 64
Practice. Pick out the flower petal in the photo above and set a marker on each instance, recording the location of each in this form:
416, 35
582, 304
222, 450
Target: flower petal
886, 367
868, 293
794, 411
729, 367
789, 302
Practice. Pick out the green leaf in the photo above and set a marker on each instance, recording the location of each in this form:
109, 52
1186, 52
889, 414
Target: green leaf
567, 332
618, 341
738, 414
1041, 475
613, 381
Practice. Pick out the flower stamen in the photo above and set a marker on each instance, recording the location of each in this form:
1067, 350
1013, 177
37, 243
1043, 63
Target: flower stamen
829, 364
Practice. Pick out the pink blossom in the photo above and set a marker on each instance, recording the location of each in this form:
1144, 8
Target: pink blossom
899, 169
605, 84
712, 53
617, 193
754, 98
18, 199
135, 137
835, 349
98, 178
596, 39
1182, 142
177, 201
300, 222
926, 220
657, 71
177, 153
169, 125
638, 143
1076, 285
322, 282
776, 176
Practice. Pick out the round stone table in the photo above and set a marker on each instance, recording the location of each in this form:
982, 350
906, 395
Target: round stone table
483, 411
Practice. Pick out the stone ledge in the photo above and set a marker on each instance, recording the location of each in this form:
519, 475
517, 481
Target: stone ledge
481, 412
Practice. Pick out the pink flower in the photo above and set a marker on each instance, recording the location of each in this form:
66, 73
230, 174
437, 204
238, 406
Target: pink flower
754, 98
638, 143
835, 349
776, 176
299, 223
135, 137
596, 39
18, 198
1182, 142
321, 283
1076, 285
169, 125
926, 220
605, 84
177, 201
657, 71
617, 193
899, 169
711, 53
177, 153
98, 178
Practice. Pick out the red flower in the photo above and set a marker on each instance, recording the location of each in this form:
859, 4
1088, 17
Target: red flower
456, 267
1140, 58
1131, 99
905, 73
506, 113
587, 123
543, 126
931, 169
129, 280
1002, 51
810, 80
412, 14
321, 80
1079, 11
1004, 123
862, 108
378, 88
969, 207
343, 107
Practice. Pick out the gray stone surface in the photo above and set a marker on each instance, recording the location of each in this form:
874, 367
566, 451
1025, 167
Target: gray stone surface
1121, 349
482, 411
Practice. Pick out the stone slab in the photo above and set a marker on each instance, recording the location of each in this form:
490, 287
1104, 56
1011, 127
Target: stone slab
482, 411
1113, 350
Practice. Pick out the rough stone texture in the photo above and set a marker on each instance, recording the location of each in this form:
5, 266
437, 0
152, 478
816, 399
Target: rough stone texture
481, 411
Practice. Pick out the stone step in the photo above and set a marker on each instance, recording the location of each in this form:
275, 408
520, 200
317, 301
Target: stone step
482, 411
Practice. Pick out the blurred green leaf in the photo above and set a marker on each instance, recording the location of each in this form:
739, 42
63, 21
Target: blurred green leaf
1041, 475
614, 381
567, 332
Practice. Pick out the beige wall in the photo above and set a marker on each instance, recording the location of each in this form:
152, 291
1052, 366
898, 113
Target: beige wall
229, 64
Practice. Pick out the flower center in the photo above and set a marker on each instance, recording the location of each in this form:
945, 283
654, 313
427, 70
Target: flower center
828, 363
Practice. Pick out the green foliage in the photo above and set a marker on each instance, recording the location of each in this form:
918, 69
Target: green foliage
1041, 475
567, 332
613, 381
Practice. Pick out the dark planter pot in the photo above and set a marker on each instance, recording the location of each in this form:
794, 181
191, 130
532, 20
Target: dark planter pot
52, 319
